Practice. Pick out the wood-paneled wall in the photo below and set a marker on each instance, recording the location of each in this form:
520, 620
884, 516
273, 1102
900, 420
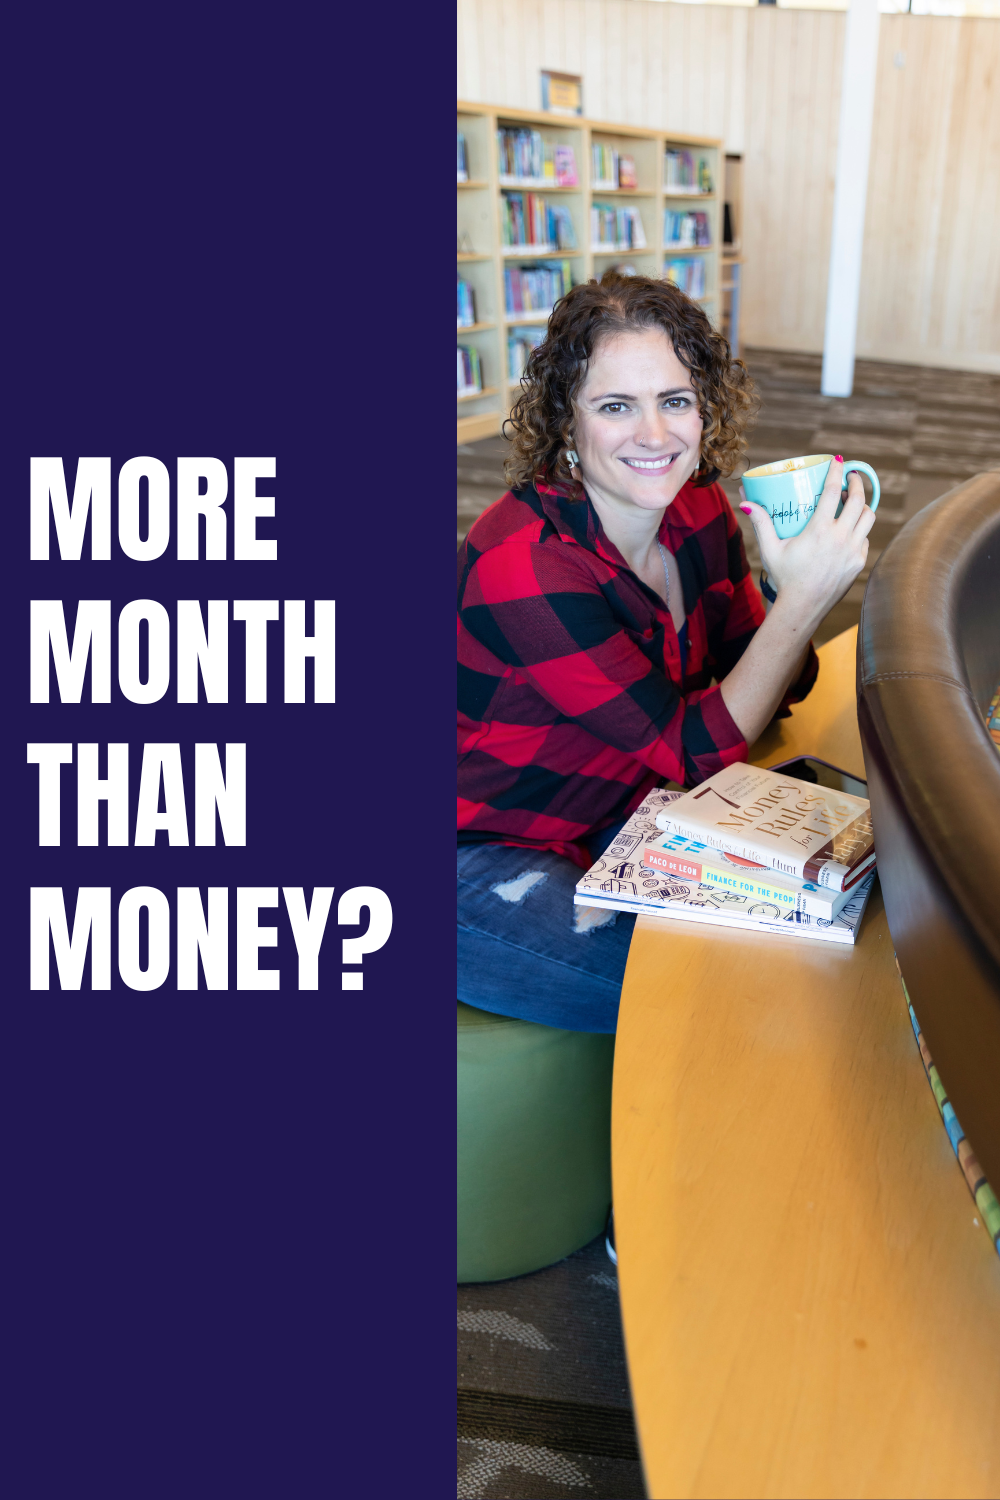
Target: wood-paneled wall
768, 81
930, 290
789, 162
671, 67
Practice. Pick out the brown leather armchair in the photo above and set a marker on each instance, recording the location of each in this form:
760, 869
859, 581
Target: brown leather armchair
928, 665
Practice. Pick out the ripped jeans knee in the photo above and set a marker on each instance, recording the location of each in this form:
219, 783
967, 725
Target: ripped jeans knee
585, 919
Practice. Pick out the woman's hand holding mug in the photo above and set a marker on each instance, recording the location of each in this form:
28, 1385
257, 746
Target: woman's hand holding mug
814, 569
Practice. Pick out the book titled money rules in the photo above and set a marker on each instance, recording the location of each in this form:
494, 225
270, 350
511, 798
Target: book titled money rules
791, 826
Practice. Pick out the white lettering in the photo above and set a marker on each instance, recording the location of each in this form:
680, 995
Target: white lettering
196, 937
158, 950
320, 646
227, 793
209, 652
161, 762
49, 759
93, 628
250, 937
191, 505
308, 927
158, 531
91, 790
256, 613
158, 680
248, 506
91, 927
91, 495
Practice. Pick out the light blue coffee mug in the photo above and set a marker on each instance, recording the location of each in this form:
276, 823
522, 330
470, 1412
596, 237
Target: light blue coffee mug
789, 489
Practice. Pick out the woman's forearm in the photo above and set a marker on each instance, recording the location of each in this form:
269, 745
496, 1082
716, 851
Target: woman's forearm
773, 660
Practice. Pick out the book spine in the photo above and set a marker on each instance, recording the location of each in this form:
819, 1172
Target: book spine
845, 850
835, 933
830, 874
811, 903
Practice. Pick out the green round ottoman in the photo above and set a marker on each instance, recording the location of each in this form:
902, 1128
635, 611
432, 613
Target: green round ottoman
534, 1143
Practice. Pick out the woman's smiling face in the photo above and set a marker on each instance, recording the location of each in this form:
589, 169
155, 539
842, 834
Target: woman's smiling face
637, 427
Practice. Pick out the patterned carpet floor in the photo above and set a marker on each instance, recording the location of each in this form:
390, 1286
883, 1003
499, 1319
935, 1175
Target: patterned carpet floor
543, 1398
922, 430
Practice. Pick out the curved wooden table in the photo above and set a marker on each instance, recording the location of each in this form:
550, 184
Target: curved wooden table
811, 1305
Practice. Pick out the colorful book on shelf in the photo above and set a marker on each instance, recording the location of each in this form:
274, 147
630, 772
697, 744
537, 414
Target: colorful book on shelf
616, 228
627, 175
466, 304
679, 169
687, 274
463, 159
519, 347
470, 375
564, 159
521, 154
791, 826
535, 289
603, 166
683, 175
686, 228
685, 859
622, 881
528, 222
525, 158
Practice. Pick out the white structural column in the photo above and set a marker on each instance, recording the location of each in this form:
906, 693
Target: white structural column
857, 104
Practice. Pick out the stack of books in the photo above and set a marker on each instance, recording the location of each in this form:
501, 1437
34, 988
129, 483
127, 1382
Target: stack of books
688, 274
519, 346
685, 229
470, 374
749, 848
683, 176
463, 159
616, 228
527, 220
466, 304
525, 159
535, 289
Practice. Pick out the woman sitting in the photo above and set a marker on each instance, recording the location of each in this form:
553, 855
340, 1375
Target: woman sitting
610, 636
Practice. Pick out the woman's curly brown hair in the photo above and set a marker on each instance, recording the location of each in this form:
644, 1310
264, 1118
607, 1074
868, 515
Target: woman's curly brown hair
541, 421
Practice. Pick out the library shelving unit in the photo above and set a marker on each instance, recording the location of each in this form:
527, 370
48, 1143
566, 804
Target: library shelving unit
483, 257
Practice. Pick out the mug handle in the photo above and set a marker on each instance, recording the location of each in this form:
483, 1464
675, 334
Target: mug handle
855, 465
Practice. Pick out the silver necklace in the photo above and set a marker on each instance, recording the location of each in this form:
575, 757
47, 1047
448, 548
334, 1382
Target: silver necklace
666, 575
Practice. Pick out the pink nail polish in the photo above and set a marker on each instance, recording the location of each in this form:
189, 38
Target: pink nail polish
839, 457
746, 510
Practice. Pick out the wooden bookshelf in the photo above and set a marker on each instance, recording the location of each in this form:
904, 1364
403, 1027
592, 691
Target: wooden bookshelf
487, 390
479, 227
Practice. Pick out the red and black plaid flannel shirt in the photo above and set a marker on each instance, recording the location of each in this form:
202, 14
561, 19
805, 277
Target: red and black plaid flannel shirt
572, 700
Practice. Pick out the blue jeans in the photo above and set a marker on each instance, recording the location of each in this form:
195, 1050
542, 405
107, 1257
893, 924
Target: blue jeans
525, 950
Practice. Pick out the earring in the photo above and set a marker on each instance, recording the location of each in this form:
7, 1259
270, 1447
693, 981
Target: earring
572, 458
